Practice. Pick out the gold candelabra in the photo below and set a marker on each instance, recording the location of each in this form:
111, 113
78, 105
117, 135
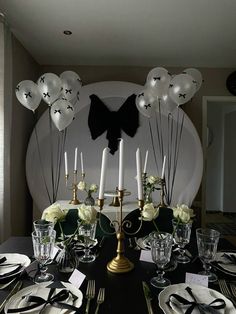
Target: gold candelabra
120, 264
162, 193
74, 187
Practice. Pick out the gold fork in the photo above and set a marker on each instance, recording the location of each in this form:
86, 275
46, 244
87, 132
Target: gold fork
100, 298
90, 294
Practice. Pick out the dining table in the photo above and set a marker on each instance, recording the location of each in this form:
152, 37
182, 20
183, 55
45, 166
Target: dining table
124, 291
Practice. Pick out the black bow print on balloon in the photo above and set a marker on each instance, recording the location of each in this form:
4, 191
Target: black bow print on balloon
68, 91
182, 95
101, 119
70, 107
139, 95
18, 88
146, 106
59, 111
42, 78
157, 78
28, 95
46, 95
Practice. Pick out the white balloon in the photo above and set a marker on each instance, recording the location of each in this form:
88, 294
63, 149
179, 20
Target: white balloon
71, 84
62, 113
158, 80
28, 94
182, 88
50, 87
168, 104
146, 102
196, 75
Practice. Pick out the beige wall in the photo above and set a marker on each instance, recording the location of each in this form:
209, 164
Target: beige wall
24, 68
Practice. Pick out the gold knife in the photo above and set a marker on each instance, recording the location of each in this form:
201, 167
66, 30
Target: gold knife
15, 289
148, 298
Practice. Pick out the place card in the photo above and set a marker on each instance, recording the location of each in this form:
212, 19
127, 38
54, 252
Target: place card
77, 278
146, 256
196, 279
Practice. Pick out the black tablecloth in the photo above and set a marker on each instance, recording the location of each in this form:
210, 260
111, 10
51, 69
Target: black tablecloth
124, 293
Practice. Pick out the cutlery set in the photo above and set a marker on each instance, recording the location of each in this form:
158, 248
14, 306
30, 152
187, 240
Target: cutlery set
228, 293
90, 295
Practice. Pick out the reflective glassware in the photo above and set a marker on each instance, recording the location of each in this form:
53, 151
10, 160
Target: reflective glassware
207, 242
88, 232
161, 248
43, 226
182, 233
43, 246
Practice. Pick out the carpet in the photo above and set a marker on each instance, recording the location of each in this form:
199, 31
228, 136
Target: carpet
223, 228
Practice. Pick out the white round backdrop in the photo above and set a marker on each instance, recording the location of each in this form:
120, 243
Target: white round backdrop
113, 93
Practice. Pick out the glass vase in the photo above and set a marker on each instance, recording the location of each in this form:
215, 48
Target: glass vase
66, 260
89, 200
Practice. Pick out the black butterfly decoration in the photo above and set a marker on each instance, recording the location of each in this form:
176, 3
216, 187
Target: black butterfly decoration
102, 119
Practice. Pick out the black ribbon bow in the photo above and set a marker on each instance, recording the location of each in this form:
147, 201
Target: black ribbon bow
101, 119
212, 308
55, 301
2, 259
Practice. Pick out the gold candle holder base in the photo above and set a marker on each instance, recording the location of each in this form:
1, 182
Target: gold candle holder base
120, 264
115, 202
75, 202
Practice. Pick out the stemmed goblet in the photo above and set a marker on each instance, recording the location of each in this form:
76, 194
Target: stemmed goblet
43, 245
207, 242
161, 247
182, 233
88, 231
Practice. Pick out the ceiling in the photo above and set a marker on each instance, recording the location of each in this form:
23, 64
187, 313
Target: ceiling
197, 33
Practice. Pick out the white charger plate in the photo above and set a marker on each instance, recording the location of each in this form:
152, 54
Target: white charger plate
13, 258
177, 288
40, 290
220, 258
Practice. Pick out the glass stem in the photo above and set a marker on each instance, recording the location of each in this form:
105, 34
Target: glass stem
43, 270
160, 274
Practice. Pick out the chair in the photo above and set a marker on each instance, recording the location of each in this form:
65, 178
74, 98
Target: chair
163, 222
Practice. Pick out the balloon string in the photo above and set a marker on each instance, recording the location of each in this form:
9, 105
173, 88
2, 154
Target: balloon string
160, 131
57, 163
169, 155
40, 160
153, 148
51, 151
177, 148
64, 133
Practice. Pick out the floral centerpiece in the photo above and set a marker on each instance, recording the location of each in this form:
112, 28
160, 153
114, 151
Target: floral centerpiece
92, 188
87, 214
150, 185
183, 214
150, 213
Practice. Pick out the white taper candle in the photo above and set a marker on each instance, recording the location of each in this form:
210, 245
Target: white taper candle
145, 162
66, 164
82, 162
103, 173
139, 174
163, 167
76, 159
121, 165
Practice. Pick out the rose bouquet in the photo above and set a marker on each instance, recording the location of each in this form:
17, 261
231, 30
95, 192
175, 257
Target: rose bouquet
150, 213
150, 185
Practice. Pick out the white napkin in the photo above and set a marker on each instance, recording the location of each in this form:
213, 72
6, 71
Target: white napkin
221, 258
202, 296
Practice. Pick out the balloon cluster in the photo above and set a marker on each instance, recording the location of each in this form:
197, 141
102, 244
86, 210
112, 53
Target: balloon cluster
58, 92
169, 90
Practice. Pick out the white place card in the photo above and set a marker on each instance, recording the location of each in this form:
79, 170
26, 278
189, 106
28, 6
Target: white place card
196, 279
146, 256
77, 278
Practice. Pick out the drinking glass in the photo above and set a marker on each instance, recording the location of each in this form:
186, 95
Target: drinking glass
43, 249
161, 247
182, 233
43, 226
88, 232
207, 242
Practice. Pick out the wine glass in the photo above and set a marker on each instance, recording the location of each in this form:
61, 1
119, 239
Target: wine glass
182, 233
88, 232
161, 247
43, 226
43, 249
207, 242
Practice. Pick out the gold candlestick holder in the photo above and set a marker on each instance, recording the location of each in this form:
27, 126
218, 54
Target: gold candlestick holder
120, 264
73, 187
162, 193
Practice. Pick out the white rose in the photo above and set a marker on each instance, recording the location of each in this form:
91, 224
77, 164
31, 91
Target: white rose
54, 213
183, 212
93, 188
149, 212
87, 214
81, 185
152, 179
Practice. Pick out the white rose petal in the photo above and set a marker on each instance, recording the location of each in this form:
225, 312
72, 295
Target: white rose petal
149, 212
54, 213
81, 185
87, 214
